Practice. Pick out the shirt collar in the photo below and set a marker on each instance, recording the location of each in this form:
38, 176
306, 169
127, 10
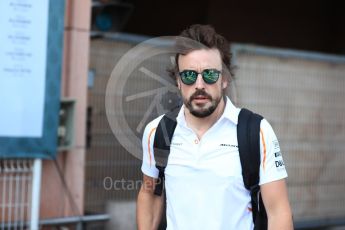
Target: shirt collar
230, 112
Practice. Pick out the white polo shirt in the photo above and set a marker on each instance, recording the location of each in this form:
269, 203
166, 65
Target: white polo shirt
203, 178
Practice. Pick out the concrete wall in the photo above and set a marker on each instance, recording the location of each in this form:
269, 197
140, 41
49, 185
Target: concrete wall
54, 197
304, 102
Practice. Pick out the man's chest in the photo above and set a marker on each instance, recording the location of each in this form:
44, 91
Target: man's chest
216, 154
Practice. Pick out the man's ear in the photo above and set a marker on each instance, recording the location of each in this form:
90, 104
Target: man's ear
178, 83
224, 83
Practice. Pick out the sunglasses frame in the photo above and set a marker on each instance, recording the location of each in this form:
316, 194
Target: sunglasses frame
218, 72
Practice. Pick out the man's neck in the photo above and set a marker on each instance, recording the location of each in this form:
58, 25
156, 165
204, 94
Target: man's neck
201, 125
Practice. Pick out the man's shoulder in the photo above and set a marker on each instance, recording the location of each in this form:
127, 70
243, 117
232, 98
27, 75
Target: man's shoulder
265, 125
153, 123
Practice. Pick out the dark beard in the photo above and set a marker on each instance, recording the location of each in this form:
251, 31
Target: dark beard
201, 113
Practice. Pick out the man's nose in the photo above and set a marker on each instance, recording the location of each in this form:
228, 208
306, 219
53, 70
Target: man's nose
199, 83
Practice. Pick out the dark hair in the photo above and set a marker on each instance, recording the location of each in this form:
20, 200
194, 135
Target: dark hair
200, 37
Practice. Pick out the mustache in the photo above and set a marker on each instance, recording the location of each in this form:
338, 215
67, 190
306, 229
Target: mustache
200, 92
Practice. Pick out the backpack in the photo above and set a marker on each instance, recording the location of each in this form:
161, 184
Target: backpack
248, 137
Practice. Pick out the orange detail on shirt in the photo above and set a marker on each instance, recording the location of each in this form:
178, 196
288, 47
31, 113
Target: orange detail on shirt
264, 145
148, 144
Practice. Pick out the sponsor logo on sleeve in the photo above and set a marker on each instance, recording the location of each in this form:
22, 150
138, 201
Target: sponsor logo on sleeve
276, 145
280, 163
277, 154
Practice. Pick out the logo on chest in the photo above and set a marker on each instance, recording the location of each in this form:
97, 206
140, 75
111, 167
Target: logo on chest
229, 145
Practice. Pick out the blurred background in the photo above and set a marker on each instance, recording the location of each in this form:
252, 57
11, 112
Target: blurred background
290, 59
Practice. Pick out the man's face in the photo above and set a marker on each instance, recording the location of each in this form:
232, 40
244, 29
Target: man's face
200, 98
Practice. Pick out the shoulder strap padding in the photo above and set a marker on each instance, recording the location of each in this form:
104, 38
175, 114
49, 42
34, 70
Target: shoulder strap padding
248, 137
161, 145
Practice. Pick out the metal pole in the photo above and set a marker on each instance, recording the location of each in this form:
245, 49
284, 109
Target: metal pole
36, 187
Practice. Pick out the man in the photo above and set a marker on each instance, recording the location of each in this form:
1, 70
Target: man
203, 178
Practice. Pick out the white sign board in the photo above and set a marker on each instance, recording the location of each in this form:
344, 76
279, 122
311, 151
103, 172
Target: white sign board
23, 50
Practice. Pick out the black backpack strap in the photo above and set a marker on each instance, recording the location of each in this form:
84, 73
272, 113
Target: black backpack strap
164, 133
248, 136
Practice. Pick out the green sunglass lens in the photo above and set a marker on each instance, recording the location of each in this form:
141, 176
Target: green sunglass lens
188, 77
210, 76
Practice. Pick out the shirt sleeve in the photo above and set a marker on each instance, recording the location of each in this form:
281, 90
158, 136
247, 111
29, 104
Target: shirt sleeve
272, 166
148, 166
